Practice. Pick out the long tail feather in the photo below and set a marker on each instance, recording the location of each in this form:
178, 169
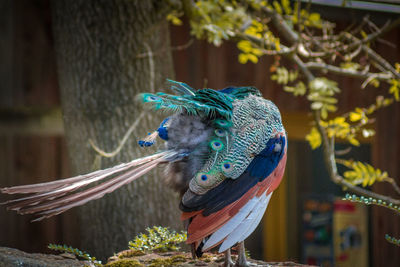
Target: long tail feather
59, 196
52, 208
45, 187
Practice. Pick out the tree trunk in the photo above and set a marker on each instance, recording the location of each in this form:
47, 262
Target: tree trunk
107, 53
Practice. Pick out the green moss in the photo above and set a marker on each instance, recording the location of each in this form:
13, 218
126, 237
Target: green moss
178, 258
78, 253
124, 263
171, 261
130, 253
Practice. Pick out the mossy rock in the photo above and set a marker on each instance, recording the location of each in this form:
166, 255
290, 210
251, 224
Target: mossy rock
179, 259
124, 263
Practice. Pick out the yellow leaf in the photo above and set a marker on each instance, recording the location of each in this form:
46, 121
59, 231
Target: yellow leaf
372, 180
365, 182
375, 83
277, 7
174, 19
245, 46
257, 52
314, 138
252, 58
353, 141
277, 44
364, 35
243, 58
397, 66
324, 113
339, 120
286, 6
394, 89
354, 116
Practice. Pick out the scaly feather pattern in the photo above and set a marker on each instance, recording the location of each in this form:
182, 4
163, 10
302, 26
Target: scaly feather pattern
225, 153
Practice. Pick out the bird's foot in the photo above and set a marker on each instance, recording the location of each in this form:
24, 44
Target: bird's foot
242, 263
228, 263
228, 260
241, 260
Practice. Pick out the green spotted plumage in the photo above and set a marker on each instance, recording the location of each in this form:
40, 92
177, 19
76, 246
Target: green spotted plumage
230, 144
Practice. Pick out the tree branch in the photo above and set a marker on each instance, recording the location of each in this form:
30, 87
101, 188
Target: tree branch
380, 60
371, 37
347, 72
330, 162
281, 26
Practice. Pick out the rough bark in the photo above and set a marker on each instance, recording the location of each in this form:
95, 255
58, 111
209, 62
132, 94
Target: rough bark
103, 50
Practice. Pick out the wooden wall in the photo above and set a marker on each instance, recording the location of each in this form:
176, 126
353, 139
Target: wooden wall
28, 89
28, 79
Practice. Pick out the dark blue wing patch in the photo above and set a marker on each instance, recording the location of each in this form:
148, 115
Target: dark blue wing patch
231, 190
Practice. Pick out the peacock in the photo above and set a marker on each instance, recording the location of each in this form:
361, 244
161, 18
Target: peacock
225, 153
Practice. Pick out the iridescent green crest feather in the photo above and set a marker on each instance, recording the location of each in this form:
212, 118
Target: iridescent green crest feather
204, 102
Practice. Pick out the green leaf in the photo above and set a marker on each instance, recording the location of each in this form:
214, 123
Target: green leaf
350, 66
321, 95
158, 239
298, 89
284, 76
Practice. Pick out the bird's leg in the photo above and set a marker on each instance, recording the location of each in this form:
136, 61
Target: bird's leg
241, 261
228, 260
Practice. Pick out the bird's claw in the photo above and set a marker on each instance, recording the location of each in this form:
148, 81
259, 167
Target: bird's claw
228, 260
242, 264
228, 263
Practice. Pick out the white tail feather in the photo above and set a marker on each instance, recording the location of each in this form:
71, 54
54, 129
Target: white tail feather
53, 198
45, 187
50, 209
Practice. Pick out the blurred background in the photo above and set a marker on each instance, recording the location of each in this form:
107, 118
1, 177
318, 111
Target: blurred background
307, 221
